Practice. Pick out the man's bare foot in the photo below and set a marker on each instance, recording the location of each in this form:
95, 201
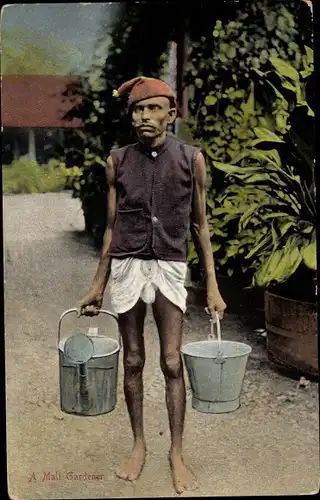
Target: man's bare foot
183, 478
132, 468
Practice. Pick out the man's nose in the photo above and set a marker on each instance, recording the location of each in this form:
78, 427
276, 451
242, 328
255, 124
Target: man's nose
145, 114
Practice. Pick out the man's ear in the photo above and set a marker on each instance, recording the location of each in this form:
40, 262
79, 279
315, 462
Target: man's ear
172, 115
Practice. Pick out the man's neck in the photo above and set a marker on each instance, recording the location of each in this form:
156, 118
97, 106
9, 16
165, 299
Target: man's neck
156, 141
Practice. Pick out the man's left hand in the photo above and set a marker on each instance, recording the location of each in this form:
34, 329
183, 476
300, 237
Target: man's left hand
215, 303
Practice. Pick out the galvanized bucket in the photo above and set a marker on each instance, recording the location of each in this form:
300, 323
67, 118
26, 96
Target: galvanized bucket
88, 366
216, 370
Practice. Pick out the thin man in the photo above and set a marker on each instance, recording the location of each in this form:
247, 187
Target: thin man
156, 194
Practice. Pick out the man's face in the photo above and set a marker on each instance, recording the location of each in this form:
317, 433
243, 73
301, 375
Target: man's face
152, 116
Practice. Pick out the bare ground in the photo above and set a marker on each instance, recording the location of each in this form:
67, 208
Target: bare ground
270, 446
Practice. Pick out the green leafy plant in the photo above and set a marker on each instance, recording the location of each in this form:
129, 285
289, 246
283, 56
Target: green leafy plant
227, 101
253, 76
274, 208
269, 203
27, 176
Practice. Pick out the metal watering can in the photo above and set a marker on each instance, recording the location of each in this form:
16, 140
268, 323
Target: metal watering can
88, 370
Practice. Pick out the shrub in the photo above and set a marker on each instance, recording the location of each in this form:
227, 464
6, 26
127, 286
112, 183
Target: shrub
27, 176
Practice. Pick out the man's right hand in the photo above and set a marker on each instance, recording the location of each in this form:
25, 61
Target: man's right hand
90, 305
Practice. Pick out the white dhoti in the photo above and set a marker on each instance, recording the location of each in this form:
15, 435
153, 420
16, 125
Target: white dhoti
132, 278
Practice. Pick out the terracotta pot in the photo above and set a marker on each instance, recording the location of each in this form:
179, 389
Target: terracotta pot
292, 335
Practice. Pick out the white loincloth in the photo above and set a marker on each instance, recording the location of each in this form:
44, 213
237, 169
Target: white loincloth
133, 278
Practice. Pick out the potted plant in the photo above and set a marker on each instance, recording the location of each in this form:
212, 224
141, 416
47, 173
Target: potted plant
272, 199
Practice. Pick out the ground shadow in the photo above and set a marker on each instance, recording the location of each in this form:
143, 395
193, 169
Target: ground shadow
81, 240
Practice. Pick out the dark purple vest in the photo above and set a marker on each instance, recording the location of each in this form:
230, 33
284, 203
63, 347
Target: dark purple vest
154, 198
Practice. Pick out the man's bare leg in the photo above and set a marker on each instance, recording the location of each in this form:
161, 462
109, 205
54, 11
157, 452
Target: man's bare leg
169, 320
131, 328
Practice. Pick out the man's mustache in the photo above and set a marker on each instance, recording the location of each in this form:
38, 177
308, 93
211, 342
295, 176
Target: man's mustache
141, 124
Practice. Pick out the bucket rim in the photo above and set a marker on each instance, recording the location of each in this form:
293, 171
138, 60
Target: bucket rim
236, 355
94, 356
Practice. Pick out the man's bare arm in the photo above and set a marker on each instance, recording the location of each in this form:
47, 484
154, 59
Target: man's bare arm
201, 236
101, 277
93, 301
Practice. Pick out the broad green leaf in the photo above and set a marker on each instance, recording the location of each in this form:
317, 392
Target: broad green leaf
245, 218
283, 228
289, 264
280, 265
306, 72
284, 68
233, 169
256, 248
281, 121
263, 275
274, 215
215, 247
265, 135
260, 73
232, 251
210, 203
210, 100
220, 211
279, 95
224, 47
208, 151
308, 229
266, 122
223, 261
270, 19
274, 235
309, 254
272, 157
218, 232
100, 161
304, 103
248, 107
266, 178
231, 52
237, 94
309, 54
289, 86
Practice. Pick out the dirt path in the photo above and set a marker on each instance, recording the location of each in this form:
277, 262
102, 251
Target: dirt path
270, 446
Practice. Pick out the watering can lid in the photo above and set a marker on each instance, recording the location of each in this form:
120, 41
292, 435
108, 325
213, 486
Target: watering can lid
79, 348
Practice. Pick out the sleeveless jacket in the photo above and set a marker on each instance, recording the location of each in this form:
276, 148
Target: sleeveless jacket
154, 198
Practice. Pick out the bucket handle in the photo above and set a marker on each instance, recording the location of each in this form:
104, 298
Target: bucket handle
74, 310
220, 358
215, 320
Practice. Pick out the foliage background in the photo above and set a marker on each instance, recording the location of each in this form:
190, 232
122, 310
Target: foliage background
235, 80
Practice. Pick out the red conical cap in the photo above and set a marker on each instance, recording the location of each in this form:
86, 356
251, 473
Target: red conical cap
141, 88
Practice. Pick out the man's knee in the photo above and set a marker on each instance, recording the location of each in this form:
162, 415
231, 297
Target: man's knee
171, 365
133, 362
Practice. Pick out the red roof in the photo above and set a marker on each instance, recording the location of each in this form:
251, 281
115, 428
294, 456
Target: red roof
36, 101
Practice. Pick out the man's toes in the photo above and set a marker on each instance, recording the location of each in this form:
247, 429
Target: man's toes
192, 485
132, 476
179, 488
122, 474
